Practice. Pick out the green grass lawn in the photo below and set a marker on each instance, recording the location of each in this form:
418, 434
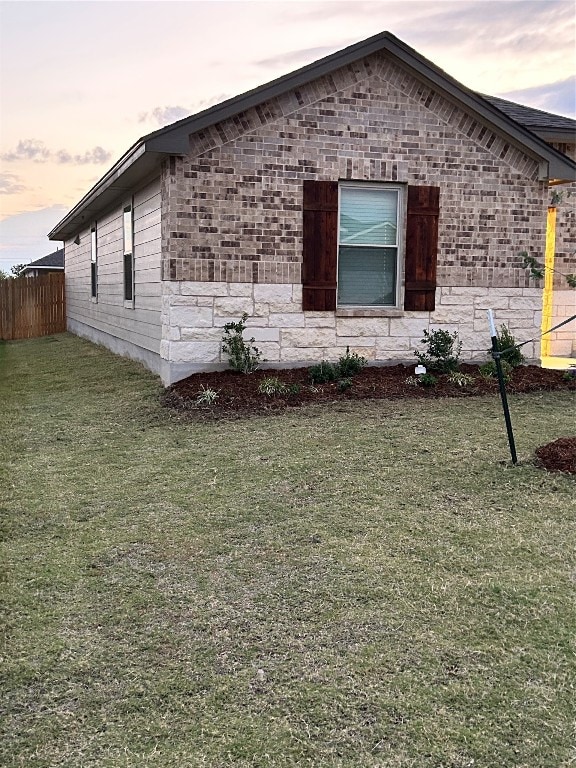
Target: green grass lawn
370, 585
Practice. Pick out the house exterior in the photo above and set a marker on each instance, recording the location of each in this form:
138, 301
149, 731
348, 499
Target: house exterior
53, 262
353, 203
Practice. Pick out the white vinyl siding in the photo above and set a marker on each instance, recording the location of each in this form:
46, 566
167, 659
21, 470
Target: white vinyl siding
368, 245
137, 322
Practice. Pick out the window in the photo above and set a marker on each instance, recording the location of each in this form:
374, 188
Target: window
93, 263
128, 226
355, 252
368, 245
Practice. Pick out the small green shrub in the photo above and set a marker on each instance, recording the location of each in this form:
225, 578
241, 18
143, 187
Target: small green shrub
427, 380
488, 370
272, 385
460, 379
207, 396
442, 351
350, 364
243, 356
344, 384
293, 389
570, 373
323, 372
506, 341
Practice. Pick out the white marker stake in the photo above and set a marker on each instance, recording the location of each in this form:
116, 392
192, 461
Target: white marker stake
491, 323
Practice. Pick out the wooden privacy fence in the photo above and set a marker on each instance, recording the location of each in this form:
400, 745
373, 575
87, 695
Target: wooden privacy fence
32, 306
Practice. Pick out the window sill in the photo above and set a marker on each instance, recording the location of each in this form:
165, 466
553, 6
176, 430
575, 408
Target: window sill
369, 312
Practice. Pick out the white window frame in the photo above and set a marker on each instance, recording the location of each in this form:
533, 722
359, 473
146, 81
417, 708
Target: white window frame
400, 189
128, 207
94, 262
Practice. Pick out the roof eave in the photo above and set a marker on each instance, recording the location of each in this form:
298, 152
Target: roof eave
135, 164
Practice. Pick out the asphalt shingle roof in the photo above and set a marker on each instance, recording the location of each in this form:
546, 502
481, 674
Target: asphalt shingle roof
533, 119
55, 259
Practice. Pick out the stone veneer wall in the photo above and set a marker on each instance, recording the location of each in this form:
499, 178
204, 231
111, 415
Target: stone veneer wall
232, 221
195, 313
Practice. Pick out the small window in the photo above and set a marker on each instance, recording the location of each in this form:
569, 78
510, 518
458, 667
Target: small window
94, 262
128, 226
368, 245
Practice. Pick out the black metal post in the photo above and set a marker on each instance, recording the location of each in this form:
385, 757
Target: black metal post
496, 356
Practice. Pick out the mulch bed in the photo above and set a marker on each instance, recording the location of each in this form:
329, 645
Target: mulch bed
559, 456
239, 395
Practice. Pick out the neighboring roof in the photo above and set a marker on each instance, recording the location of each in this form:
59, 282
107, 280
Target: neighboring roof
145, 155
52, 261
545, 124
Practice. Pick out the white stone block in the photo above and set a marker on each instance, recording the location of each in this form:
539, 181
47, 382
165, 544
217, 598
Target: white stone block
261, 310
309, 337
363, 326
165, 349
170, 288
300, 355
395, 344
284, 307
263, 333
525, 302
201, 334
492, 301
270, 352
189, 288
233, 306
279, 292
405, 326
185, 301
289, 320
171, 333
194, 352
205, 301
355, 341
455, 301
452, 315
321, 320
240, 289
191, 317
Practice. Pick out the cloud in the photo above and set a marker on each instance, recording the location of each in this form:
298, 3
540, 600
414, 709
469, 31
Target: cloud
558, 97
28, 149
96, 156
10, 184
38, 152
164, 115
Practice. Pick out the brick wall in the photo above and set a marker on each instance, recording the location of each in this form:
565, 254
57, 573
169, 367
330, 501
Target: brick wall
232, 207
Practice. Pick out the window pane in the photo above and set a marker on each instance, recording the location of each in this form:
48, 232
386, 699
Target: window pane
93, 279
368, 216
128, 277
367, 276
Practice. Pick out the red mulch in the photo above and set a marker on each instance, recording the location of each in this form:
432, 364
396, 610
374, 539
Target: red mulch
238, 395
559, 456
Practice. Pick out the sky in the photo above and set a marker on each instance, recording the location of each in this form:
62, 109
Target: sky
82, 81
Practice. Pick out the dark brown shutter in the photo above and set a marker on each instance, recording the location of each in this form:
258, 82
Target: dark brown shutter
320, 243
421, 248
